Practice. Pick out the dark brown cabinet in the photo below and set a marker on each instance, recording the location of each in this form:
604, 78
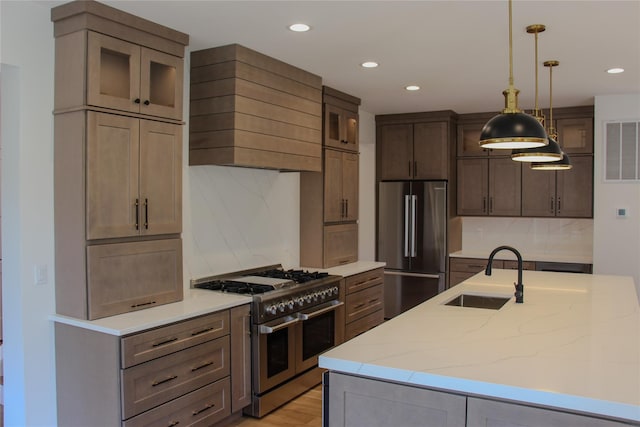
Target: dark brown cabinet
414, 151
559, 193
468, 136
489, 187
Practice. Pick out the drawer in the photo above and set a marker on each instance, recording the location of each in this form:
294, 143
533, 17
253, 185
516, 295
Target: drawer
360, 304
363, 324
471, 265
153, 383
203, 407
364, 280
159, 342
513, 265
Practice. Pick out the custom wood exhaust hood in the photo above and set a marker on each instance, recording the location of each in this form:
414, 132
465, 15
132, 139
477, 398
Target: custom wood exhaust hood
250, 110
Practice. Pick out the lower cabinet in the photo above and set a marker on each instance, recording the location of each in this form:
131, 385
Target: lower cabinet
491, 413
356, 401
340, 244
364, 302
194, 372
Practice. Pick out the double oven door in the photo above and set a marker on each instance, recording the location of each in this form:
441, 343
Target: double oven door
291, 345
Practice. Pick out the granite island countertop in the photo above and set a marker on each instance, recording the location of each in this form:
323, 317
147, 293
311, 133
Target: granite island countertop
574, 344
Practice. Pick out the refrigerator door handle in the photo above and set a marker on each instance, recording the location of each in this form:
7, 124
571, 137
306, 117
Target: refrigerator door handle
406, 225
414, 214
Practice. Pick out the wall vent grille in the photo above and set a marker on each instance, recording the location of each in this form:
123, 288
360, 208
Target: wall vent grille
622, 151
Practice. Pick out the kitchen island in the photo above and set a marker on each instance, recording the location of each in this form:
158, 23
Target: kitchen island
569, 355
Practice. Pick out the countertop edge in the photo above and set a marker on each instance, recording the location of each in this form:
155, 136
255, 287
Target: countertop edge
480, 389
526, 256
351, 269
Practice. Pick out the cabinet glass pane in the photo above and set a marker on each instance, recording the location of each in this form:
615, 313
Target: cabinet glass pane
334, 126
352, 130
470, 141
162, 82
114, 78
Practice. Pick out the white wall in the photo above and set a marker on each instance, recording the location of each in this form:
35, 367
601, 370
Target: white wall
616, 247
27, 221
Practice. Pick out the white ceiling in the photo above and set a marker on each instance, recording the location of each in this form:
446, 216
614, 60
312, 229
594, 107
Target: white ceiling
457, 51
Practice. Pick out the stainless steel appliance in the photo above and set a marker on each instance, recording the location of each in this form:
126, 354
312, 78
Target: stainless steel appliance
296, 315
412, 240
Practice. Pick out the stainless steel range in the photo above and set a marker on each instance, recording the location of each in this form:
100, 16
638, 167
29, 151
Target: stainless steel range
296, 315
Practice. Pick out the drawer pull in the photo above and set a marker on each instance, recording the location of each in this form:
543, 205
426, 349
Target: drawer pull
201, 332
206, 408
373, 301
362, 304
175, 423
166, 380
201, 366
170, 340
142, 304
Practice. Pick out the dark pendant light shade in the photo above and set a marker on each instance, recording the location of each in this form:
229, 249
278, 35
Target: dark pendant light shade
549, 153
558, 165
513, 130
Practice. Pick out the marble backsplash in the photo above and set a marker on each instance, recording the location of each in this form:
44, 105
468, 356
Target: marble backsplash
550, 236
238, 218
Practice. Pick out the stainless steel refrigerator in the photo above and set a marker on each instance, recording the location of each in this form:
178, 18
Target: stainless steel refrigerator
412, 240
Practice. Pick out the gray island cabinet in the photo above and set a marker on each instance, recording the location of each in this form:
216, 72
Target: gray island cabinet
568, 356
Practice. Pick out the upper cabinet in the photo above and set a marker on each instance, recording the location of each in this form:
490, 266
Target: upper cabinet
248, 109
118, 62
415, 146
341, 128
125, 76
489, 187
341, 186
574, 126
469, 130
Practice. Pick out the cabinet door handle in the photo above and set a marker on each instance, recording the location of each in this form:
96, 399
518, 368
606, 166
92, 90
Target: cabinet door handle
346, 208
552, 204
137, 204
559, 205
146, 214
484, 204
137, 100
166, 380
409, 164
490, 204
415, 168
146, 102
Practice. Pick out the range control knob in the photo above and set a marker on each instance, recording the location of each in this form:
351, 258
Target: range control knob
308, 297
290, 304
281, 306
335, 290
271, 309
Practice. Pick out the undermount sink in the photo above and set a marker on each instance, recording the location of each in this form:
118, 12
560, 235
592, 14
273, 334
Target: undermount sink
478, 301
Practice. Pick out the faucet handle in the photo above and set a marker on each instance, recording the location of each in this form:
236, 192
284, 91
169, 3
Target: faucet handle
519, 294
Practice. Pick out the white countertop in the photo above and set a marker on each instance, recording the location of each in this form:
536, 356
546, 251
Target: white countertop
573, 344
196, 302
526, 256
350, 269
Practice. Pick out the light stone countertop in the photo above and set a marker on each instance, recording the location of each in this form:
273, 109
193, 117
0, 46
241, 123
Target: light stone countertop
196, 302
351, 269
526, 256
574, 344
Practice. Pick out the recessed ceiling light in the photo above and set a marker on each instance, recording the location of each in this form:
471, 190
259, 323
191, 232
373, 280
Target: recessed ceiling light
369, 64
412, 87
615, 70
299, 28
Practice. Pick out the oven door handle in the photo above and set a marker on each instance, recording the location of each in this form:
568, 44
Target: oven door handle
331, 306
265, 330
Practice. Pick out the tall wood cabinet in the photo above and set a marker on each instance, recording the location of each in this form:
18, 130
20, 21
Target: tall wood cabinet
117, 161
329, 199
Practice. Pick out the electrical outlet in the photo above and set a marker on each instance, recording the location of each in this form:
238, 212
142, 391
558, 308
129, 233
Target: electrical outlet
40, 274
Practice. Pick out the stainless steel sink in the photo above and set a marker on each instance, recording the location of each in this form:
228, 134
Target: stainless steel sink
478, 301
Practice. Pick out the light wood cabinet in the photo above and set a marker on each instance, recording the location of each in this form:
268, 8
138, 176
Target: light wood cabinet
340, 128
329, 200
356, 401
194, 372
491, 413
413, 150
128, 77
117, 161
134, 177
341, 186
559, 193
489, 187
364, 302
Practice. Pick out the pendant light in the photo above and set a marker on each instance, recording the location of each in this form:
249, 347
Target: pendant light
564, 163
512, 128
547, 153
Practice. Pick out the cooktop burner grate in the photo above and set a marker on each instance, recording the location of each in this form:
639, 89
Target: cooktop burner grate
236, 287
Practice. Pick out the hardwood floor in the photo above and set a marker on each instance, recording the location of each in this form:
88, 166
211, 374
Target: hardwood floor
305, 410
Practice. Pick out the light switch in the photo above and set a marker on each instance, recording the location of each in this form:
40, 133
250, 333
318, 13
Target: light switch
621, 212
40, 274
